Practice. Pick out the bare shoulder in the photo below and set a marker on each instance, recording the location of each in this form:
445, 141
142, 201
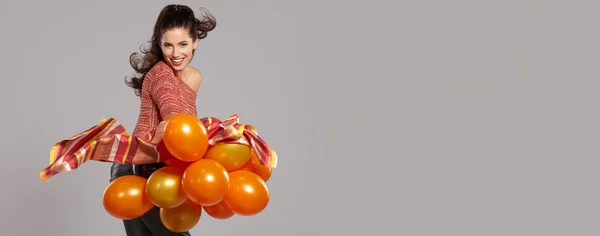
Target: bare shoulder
192, 71
193, 78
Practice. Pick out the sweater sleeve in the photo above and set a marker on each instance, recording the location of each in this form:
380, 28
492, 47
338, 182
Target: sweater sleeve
165, 90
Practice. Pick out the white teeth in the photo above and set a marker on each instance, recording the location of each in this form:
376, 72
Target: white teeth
178, 60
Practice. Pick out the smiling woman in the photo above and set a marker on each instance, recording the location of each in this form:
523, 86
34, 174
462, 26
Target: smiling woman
176, 35
167, 86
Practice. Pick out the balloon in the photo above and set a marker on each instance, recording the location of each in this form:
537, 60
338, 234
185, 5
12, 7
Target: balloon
219, 211
254, 165
179, 164
145, 170
231, 155
125, 197
181, 218
205, 182
164, 187
247, 194
186, 137
169, 160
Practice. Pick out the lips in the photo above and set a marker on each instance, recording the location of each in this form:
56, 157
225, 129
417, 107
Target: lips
176, 62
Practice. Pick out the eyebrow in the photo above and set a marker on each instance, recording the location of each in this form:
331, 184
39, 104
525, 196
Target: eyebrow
184, 41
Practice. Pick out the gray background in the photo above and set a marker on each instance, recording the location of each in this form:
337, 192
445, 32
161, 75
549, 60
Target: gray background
467, 117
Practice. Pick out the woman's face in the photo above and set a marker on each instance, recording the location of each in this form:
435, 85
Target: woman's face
177, 46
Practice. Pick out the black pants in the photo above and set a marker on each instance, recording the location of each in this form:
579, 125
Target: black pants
150, 223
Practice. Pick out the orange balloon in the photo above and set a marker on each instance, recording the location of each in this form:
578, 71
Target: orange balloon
125, 197
186, 137
181, 218
231, 155
164, 187
219, 211
205, 182
169, 160
247, 194
254, 165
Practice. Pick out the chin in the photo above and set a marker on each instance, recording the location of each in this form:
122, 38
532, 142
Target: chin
178, 68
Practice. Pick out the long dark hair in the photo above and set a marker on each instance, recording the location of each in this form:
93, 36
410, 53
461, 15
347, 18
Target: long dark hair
170, 17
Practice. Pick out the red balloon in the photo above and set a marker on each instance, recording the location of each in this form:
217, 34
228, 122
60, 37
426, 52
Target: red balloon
125, 197
219, 211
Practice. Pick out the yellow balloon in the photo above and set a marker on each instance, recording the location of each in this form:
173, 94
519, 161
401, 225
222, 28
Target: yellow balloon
164, 187
231, 155
181, 218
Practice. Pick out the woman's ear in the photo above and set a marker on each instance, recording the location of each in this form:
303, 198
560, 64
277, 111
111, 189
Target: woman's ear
195, 44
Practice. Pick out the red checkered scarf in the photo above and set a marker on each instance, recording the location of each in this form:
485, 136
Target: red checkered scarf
110, 142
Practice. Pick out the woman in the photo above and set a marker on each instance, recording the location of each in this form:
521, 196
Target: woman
167, 86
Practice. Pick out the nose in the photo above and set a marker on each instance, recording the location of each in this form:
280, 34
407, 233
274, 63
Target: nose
176, 52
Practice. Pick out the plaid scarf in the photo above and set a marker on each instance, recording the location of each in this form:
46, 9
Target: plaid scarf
110, 142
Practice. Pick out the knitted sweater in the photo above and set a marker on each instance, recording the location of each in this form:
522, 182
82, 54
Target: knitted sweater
163, 95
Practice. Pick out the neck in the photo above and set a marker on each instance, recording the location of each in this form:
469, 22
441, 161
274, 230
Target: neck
178, 74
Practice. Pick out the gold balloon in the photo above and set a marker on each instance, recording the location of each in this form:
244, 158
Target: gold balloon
181, 218
164, 187
231, 155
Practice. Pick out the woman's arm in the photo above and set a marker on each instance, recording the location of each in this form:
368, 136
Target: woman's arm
166, 91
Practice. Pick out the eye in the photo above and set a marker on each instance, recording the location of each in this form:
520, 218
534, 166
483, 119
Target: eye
183, 44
